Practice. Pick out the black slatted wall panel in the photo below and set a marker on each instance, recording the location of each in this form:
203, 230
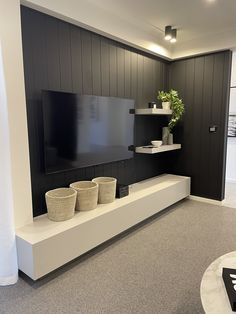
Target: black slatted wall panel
64, 57
203, 83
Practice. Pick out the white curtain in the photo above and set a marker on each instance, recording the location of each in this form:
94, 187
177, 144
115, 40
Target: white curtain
8, 256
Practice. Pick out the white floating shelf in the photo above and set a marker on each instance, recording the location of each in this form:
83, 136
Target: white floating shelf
153, 111
155, 150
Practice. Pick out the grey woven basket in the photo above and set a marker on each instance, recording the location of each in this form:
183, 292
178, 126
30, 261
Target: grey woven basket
61, 203
87, 194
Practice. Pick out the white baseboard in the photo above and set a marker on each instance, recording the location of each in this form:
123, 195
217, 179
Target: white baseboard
205, 200
229, 180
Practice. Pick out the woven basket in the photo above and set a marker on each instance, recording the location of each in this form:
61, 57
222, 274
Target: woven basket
87, 194
106, 189
61, 203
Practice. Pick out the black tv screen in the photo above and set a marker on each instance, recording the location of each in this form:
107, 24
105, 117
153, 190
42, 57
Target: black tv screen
83, 130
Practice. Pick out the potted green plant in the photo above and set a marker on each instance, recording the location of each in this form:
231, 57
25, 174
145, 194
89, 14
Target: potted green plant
177, 107
165, 98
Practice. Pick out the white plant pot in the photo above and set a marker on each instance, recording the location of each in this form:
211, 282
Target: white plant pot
166, 105
106, 189
61, 203
87, 195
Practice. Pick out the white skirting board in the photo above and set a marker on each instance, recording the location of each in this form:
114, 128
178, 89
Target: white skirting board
205, 200
45, 245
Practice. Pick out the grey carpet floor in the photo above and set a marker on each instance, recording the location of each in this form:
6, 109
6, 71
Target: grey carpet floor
155, 268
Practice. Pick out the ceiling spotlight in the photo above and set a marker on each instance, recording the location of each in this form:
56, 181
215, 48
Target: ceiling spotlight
168, 33
173, 35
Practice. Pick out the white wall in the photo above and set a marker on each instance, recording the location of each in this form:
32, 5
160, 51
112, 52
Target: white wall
231, 145
8, 259
233, 73
10, 34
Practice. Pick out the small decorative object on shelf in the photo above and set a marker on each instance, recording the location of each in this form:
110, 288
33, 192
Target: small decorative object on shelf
177, 107
87, 194
152, 104
156, 143
61, 203
106, 189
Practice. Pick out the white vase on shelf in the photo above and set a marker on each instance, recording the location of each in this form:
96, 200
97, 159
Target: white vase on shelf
170, 139
165, 135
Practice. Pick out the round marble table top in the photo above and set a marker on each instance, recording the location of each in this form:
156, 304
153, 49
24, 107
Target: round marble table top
213, 293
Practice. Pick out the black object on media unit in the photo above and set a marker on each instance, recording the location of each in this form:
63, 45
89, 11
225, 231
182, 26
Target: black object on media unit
83, 130
122, 190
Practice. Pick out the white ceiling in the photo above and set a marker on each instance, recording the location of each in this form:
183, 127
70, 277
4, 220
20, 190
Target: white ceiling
201, 20
193, 18
203, 25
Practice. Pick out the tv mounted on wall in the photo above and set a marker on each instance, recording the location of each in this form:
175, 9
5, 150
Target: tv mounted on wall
83, 130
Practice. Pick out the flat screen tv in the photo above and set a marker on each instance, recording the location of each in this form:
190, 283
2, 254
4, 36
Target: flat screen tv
82, 130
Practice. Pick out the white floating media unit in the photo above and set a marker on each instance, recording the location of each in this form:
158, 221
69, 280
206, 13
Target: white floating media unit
44, 245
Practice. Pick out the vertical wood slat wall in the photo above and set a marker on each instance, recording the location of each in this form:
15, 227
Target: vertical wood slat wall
61, 56
203, 83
